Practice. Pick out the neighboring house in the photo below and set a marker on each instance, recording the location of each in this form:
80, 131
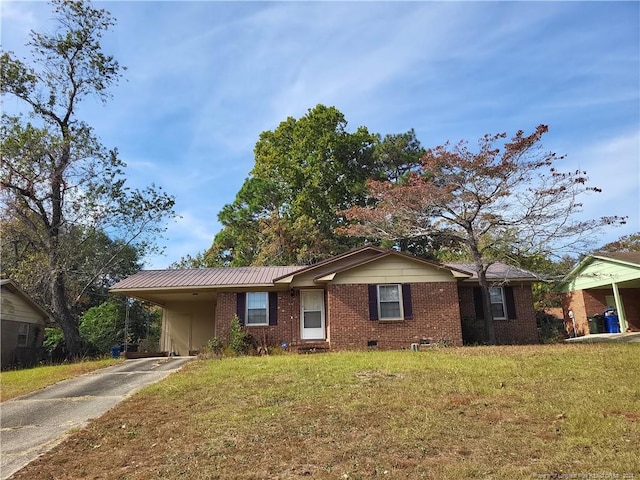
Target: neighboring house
600, 281
366, 298
23, 323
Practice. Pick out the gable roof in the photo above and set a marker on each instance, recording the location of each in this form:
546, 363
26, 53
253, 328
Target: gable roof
327, 269
269, 277
600, 270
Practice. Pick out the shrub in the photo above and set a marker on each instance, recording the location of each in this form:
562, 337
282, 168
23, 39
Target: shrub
215, 345
550, 328
241, 343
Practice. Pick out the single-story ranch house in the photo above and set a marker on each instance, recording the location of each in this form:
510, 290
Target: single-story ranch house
366, 298
601, 281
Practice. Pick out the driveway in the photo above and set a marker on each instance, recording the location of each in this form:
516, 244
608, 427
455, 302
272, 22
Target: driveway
36, 422
629, 337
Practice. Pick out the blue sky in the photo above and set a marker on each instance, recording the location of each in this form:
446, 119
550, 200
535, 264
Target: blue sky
205, 78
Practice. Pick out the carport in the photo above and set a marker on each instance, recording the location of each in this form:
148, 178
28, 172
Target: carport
600, 281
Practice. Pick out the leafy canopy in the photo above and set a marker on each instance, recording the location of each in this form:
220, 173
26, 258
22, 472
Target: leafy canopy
61, 188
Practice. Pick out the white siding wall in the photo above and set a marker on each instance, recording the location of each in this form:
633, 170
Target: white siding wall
16, 309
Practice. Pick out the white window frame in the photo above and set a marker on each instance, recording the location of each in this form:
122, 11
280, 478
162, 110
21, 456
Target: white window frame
23, 331
503, 303
262, 324
399, 289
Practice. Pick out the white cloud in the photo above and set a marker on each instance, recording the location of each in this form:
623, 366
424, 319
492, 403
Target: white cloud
612, 164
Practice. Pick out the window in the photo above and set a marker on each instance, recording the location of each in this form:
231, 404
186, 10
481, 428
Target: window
498, 307
257, 308
23, 334
390, 302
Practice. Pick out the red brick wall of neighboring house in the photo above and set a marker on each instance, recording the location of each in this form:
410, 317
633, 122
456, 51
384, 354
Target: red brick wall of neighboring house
287, 328
631, 300
522, 329
436, 316
586, 303
575, 301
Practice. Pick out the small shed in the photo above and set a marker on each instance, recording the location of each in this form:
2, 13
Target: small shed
600, 282
22, 328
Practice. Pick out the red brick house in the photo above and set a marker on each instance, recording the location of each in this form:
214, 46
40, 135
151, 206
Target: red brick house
366, 298
600, 281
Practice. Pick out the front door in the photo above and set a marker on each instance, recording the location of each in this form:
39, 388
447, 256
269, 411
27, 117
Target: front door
312, 315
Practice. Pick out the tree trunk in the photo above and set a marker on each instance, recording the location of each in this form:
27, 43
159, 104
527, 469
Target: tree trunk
59, 302
63, 316
486, 306
484, 288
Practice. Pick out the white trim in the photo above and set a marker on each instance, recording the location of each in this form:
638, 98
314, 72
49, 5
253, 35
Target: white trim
246, 310
21, 326
313, 333
504, 303
400, 302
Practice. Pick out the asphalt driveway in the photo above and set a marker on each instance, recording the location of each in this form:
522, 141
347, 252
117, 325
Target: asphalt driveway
36, 422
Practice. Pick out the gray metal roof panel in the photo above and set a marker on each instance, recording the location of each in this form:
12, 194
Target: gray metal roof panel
203, 277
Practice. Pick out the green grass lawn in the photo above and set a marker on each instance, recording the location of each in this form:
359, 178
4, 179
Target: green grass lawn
458, 413
14, 383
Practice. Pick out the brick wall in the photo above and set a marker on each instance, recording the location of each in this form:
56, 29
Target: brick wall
574, 301
522, 329
437, 312
287, 329
593, 302
436, 316
631, 300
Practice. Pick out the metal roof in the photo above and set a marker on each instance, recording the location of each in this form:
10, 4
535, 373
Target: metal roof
203, 277
222, 277
496, 271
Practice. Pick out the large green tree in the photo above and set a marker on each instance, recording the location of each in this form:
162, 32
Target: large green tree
107, 324
60, 185
305, 171
507, 199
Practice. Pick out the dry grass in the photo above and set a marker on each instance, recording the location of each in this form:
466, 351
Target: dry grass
20, 382
486, 412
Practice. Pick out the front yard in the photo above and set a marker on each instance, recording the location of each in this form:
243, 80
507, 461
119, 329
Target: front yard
452, 413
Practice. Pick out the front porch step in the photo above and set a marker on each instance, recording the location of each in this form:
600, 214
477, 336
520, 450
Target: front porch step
311, 347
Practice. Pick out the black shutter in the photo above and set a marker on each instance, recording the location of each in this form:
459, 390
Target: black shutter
477, 302
241, 303
273, 308
406, 301
511, 303
373, 302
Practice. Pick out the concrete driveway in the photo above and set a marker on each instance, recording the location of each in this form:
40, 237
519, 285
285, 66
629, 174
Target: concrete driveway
629, 337
36, 422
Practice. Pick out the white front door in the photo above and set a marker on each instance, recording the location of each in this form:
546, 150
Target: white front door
312, 314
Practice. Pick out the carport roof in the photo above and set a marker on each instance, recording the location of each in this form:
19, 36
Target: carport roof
601, 270
202, 277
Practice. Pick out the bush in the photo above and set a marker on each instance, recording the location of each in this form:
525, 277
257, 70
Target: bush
241, 343
550, 328
215, 345
54, 344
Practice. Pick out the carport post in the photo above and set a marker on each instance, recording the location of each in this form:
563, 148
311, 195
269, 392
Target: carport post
619, 308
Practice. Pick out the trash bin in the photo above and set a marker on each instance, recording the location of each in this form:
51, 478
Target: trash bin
115, 351
611, 324
593, 324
